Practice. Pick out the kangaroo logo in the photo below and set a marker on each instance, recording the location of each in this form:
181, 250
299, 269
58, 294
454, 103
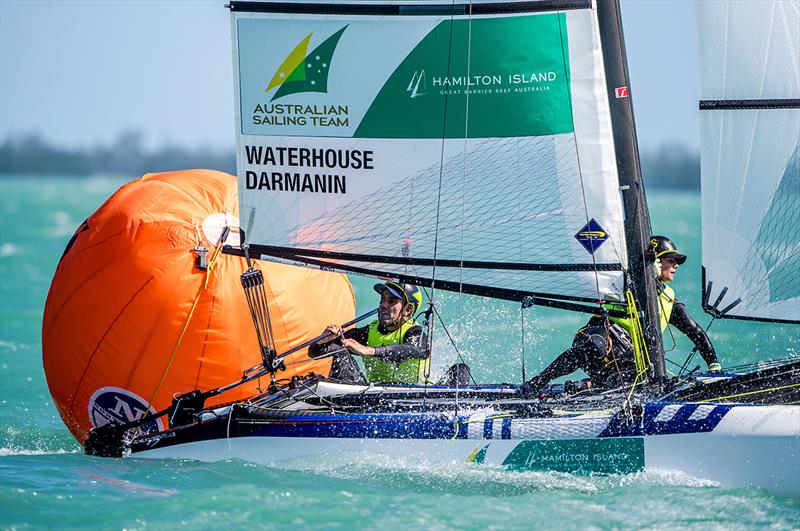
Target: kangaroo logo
305, 72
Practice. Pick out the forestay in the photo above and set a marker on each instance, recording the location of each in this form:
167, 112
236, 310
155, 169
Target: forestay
465, 146
750, 140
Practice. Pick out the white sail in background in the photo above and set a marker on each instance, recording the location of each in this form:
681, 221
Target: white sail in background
750, 155
475, 150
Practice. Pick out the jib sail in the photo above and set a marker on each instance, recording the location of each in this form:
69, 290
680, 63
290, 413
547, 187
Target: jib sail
750, 147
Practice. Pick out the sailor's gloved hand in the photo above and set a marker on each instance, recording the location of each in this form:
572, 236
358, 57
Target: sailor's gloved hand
657, 267
554, 389
531, 387
715, 368
571, 387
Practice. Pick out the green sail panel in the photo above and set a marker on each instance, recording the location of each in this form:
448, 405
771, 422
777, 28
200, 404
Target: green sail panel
513, 82
778, 240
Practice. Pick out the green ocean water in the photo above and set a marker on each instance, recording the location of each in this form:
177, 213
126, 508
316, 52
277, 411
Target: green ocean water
46, 482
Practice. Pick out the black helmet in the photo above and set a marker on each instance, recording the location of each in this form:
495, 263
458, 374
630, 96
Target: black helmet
409, 293
662, 246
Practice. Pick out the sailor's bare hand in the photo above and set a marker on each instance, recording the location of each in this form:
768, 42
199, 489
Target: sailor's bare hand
357, 348
335, 330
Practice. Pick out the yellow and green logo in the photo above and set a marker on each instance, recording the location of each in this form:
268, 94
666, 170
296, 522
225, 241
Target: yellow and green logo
305, 72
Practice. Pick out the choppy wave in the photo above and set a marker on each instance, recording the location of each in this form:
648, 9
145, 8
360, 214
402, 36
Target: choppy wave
492, 480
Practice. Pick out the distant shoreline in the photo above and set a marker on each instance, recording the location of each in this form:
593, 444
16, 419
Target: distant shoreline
673, 167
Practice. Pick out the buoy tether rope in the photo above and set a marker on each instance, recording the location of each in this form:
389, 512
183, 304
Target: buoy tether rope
203, 285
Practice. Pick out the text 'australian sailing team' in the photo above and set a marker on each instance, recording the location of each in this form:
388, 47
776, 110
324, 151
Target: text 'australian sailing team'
327, 161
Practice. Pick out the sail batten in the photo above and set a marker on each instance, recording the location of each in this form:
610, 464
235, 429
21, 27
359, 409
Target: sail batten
435, 7
786, 103
400, 260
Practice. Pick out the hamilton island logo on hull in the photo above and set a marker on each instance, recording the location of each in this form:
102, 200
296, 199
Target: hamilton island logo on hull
592, 236
305, 72
117, 406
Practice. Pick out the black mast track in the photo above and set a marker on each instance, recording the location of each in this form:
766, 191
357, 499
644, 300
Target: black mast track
736, 105
637, 218
409, 8
563, 302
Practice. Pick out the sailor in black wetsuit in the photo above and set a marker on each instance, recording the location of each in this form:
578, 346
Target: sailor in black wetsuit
394, 347
603, 348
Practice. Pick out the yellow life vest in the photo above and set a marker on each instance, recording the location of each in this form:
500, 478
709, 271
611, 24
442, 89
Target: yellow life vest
666, 300
410, 371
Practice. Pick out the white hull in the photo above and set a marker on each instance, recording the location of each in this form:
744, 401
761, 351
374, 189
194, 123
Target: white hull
751, 446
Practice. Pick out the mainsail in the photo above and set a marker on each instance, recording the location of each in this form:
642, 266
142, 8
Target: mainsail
465, 147
750, 147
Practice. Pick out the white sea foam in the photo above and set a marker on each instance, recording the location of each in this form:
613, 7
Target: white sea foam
13, 346
63, 225
5, 452
480, 478
9, 249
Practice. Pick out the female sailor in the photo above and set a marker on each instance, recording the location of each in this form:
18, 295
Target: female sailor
603, 347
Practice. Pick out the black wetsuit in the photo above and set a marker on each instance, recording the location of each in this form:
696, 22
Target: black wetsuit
414, 345
604, 351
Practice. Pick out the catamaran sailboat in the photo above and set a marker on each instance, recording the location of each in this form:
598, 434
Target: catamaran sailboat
489, 148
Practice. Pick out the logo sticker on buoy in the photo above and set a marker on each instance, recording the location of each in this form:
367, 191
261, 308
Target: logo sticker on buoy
118, 406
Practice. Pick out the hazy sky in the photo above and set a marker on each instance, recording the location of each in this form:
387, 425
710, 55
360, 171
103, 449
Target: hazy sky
79, 72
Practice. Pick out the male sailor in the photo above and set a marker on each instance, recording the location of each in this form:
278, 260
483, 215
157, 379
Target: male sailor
603, 348
394, 347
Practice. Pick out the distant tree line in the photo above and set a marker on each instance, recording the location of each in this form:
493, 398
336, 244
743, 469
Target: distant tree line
671, 166
125, 157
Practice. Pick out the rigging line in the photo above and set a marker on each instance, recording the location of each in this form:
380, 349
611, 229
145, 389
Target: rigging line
715, 399
444, 327
565, 62
694, 350
522, 339
262, 294
447, 332
466, 139
458, 352
669, 328
203, 286
439, 194
464, 174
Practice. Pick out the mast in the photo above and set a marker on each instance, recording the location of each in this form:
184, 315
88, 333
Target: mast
637, 217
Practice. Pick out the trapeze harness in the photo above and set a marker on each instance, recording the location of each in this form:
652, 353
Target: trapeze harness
410, 371
666, 300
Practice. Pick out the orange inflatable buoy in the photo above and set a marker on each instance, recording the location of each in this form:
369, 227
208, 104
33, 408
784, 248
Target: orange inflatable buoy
133, 318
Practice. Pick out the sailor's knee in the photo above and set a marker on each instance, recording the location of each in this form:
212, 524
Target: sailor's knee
591, 340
